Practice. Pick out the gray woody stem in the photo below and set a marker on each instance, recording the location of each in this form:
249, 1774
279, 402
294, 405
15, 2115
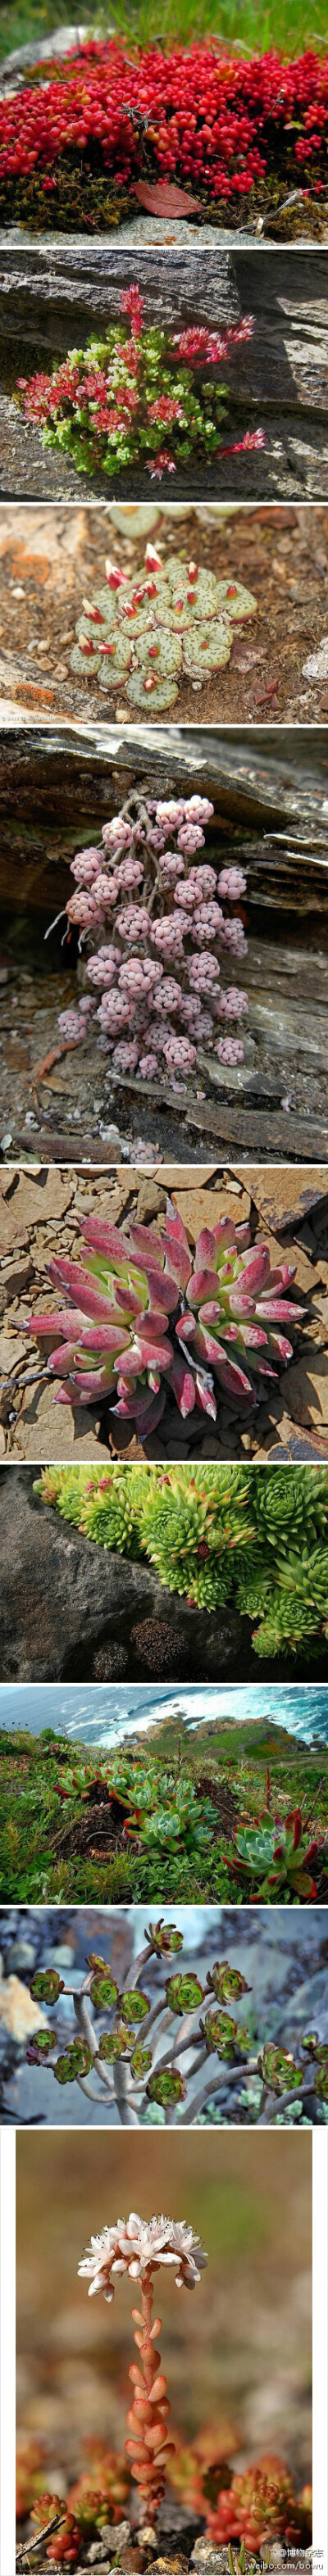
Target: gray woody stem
128, 2115
278, 2102
85, 2025
234, 2074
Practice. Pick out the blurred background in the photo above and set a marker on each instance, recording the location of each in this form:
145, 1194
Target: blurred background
240, 2348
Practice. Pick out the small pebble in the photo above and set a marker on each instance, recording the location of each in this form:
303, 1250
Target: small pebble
131, 2559
116, 2535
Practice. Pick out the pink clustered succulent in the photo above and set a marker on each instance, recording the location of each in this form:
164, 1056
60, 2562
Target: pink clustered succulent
145, 1317
156, 990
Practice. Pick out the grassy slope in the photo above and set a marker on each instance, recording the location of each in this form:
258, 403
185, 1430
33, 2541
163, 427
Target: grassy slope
31, 1814
291, 24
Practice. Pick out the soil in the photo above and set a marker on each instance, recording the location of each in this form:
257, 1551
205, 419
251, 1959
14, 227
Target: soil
221, 1797
41, 1218
97, 1830
50, 561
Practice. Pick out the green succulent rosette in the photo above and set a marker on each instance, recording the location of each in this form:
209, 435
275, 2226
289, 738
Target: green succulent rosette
75, 2061
104, 1992
133, 2005
224, 1981
166, 2087
140, 2062
113, 2044
184, 1994
279, 2070
46, 1986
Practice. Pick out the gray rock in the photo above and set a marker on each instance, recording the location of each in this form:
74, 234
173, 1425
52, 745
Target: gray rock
21, 1955
116, 2536
60, 43
214, 2561
62, 1596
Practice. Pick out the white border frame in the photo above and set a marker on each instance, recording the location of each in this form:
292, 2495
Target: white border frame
8, 2349
320, 2351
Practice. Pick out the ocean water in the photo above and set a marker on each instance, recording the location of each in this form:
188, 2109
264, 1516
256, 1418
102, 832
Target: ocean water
100, 1715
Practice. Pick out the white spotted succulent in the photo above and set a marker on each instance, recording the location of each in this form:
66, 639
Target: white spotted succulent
171, 621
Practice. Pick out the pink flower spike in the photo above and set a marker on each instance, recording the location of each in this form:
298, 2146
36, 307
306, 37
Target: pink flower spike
162, 1291
205, 1395
251, 1336
151, 1327
225, 1233
276, 1311
205, 1249
202, 1284
183, 1385
68, 1274
256, 1269
265, 1371
105, 1238
147, 1411
243, 1237
145, 1241
233, 1379
142, 1356
284, 1349
175, 1228
185, 1327
206, 1345
281, 1278
177, 1261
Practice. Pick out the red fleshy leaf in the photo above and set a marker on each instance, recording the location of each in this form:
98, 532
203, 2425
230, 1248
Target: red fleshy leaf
164, 200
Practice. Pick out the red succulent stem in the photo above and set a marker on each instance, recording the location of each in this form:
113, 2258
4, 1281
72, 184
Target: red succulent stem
147, 2444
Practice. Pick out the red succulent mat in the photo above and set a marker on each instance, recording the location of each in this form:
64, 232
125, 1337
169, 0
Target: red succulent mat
234, 137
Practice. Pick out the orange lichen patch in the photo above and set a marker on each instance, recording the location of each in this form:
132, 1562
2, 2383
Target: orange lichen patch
28, 689
24, 561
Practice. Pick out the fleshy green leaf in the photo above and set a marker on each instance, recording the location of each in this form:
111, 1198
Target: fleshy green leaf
183, 1994
134, 2005
46, 1986
166, 2087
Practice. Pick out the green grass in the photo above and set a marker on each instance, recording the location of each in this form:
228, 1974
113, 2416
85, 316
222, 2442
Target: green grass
291, 24
31, 1816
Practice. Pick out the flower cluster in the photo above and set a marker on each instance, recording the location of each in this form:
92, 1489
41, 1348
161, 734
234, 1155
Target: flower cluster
138, 2246
109, 404
221, 125
156, 994
143, 1318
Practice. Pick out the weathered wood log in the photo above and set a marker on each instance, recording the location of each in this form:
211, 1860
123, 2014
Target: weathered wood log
59, 777
254, 1131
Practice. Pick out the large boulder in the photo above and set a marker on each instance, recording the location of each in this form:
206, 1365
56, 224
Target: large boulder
71, 1612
